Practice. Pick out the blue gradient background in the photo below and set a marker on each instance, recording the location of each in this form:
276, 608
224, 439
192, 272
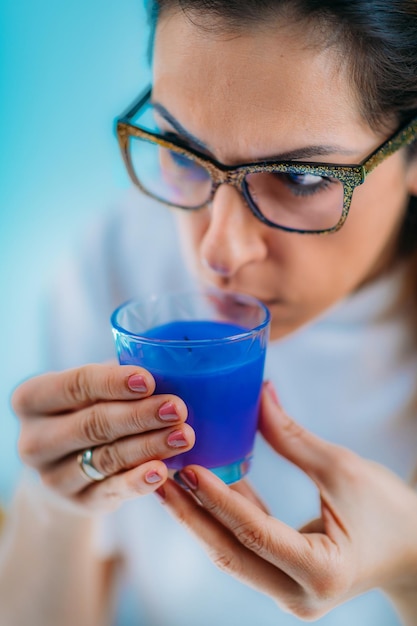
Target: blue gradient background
66, 70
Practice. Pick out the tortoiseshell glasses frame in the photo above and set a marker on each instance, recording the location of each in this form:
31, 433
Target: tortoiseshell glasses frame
351, 176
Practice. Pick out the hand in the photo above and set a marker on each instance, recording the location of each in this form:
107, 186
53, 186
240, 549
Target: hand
108, 408
365, 537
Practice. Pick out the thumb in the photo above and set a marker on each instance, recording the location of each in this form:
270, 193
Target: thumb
315, 456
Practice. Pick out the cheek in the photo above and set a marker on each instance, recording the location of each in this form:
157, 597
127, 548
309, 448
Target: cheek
377, 211
380, 201
318, 271
366, 244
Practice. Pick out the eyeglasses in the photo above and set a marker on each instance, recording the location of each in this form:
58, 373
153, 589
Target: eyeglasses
294, 196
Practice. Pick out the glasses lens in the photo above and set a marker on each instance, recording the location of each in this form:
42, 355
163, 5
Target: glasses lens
295, 200
169, 175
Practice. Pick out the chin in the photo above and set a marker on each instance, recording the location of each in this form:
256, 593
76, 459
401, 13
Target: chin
282, 323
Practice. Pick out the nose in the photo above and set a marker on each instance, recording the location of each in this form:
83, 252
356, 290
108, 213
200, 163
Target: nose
234, 237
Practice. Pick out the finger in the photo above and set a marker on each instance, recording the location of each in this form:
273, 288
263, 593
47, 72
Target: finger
245, 489
316, 457
313, 526
45, 440
110, 493
269, 538
308, 601
67, 478
57, 392
226, 552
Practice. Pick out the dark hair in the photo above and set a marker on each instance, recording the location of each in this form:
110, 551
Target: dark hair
377, 37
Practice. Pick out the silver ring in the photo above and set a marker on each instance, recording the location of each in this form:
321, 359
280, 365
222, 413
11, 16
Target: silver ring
85, 461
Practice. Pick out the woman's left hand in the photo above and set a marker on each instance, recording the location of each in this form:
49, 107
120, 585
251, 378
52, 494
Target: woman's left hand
365, 537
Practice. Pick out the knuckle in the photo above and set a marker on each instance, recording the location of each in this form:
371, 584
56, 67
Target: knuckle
132, 487
214, 506
225, 561
94, 427
108, 498
113, 499
95, 500
108, 384
29, 448
138, 421
76, 386
251, 536
292, 430
149, 447
109, 461
330, 582
336, 587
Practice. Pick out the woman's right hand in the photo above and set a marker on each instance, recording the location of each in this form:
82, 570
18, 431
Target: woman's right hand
111, 409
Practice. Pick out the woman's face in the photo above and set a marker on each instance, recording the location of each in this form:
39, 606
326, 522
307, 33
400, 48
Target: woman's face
250, 97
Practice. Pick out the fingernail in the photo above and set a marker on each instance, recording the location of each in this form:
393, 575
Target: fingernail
160, 494
177, 439
168, 412
152, 477
272, 393
188, 479
137, 383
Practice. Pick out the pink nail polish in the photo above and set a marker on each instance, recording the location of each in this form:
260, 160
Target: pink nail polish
272, 393
177, 439
189, 478
137, 383
152, 477
168, 412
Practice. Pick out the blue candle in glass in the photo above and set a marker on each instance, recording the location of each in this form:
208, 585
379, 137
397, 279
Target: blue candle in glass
209, 349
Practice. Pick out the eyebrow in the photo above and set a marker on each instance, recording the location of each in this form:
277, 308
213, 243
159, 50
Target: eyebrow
305, 152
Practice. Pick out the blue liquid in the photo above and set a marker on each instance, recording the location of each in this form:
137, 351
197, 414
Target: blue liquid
220, 384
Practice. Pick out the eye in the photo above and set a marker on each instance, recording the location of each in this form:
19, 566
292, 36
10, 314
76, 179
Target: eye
180, 160
305, 184
306, 180
181, 167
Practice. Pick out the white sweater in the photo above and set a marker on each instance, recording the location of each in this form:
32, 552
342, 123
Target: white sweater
349, 377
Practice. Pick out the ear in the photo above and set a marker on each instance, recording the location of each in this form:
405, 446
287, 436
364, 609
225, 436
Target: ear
411, 176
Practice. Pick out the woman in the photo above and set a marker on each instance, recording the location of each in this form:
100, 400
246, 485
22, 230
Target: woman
303, 90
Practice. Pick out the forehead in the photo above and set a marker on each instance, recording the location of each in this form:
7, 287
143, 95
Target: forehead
254, 85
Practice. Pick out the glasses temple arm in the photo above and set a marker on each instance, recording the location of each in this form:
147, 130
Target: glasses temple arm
402, 138
137, 104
